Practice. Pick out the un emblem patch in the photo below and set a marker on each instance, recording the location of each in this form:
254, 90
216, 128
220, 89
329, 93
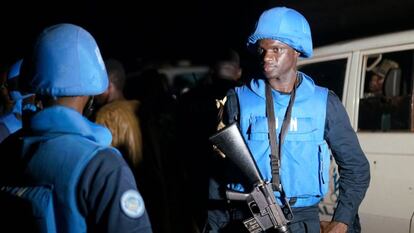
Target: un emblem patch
132, 204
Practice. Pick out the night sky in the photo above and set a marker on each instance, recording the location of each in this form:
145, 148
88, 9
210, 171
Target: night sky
134, 30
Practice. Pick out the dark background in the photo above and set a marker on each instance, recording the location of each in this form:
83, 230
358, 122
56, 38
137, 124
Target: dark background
195, 30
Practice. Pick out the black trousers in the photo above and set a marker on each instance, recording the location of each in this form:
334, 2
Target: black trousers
230, 220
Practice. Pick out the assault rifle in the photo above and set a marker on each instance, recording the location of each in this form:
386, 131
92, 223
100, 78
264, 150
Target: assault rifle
261, 200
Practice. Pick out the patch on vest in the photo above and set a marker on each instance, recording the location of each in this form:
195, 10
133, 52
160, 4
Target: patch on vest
132, 204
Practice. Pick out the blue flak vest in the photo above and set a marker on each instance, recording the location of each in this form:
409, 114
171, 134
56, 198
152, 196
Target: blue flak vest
64, 145
305, 156
27, 208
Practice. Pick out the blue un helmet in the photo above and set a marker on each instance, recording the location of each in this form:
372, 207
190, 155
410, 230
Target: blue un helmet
285, 25
67, 62
12, 120
12, 76
15, 92
12, 79
14, 70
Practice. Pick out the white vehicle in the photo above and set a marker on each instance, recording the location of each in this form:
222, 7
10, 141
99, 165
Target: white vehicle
384, 124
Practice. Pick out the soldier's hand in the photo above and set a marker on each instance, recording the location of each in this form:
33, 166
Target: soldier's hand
333, 227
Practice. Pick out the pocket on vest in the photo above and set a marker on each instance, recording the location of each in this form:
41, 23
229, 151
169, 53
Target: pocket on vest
258, 142
305, 158
305, 168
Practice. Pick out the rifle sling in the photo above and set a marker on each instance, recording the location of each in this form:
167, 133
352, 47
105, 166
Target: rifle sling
275, 148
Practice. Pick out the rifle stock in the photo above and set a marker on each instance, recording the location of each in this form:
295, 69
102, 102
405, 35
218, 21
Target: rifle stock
261, 201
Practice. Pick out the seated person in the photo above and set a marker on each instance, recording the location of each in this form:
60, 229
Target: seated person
378, 111
379, 73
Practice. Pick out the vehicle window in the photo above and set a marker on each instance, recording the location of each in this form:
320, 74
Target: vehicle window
330, 74
385, 104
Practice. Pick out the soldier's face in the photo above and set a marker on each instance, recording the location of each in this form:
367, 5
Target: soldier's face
278, 59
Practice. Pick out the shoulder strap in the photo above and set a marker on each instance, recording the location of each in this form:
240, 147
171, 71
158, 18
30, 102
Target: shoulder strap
275, 148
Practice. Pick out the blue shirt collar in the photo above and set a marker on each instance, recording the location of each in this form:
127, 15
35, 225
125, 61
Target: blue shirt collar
59, 119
